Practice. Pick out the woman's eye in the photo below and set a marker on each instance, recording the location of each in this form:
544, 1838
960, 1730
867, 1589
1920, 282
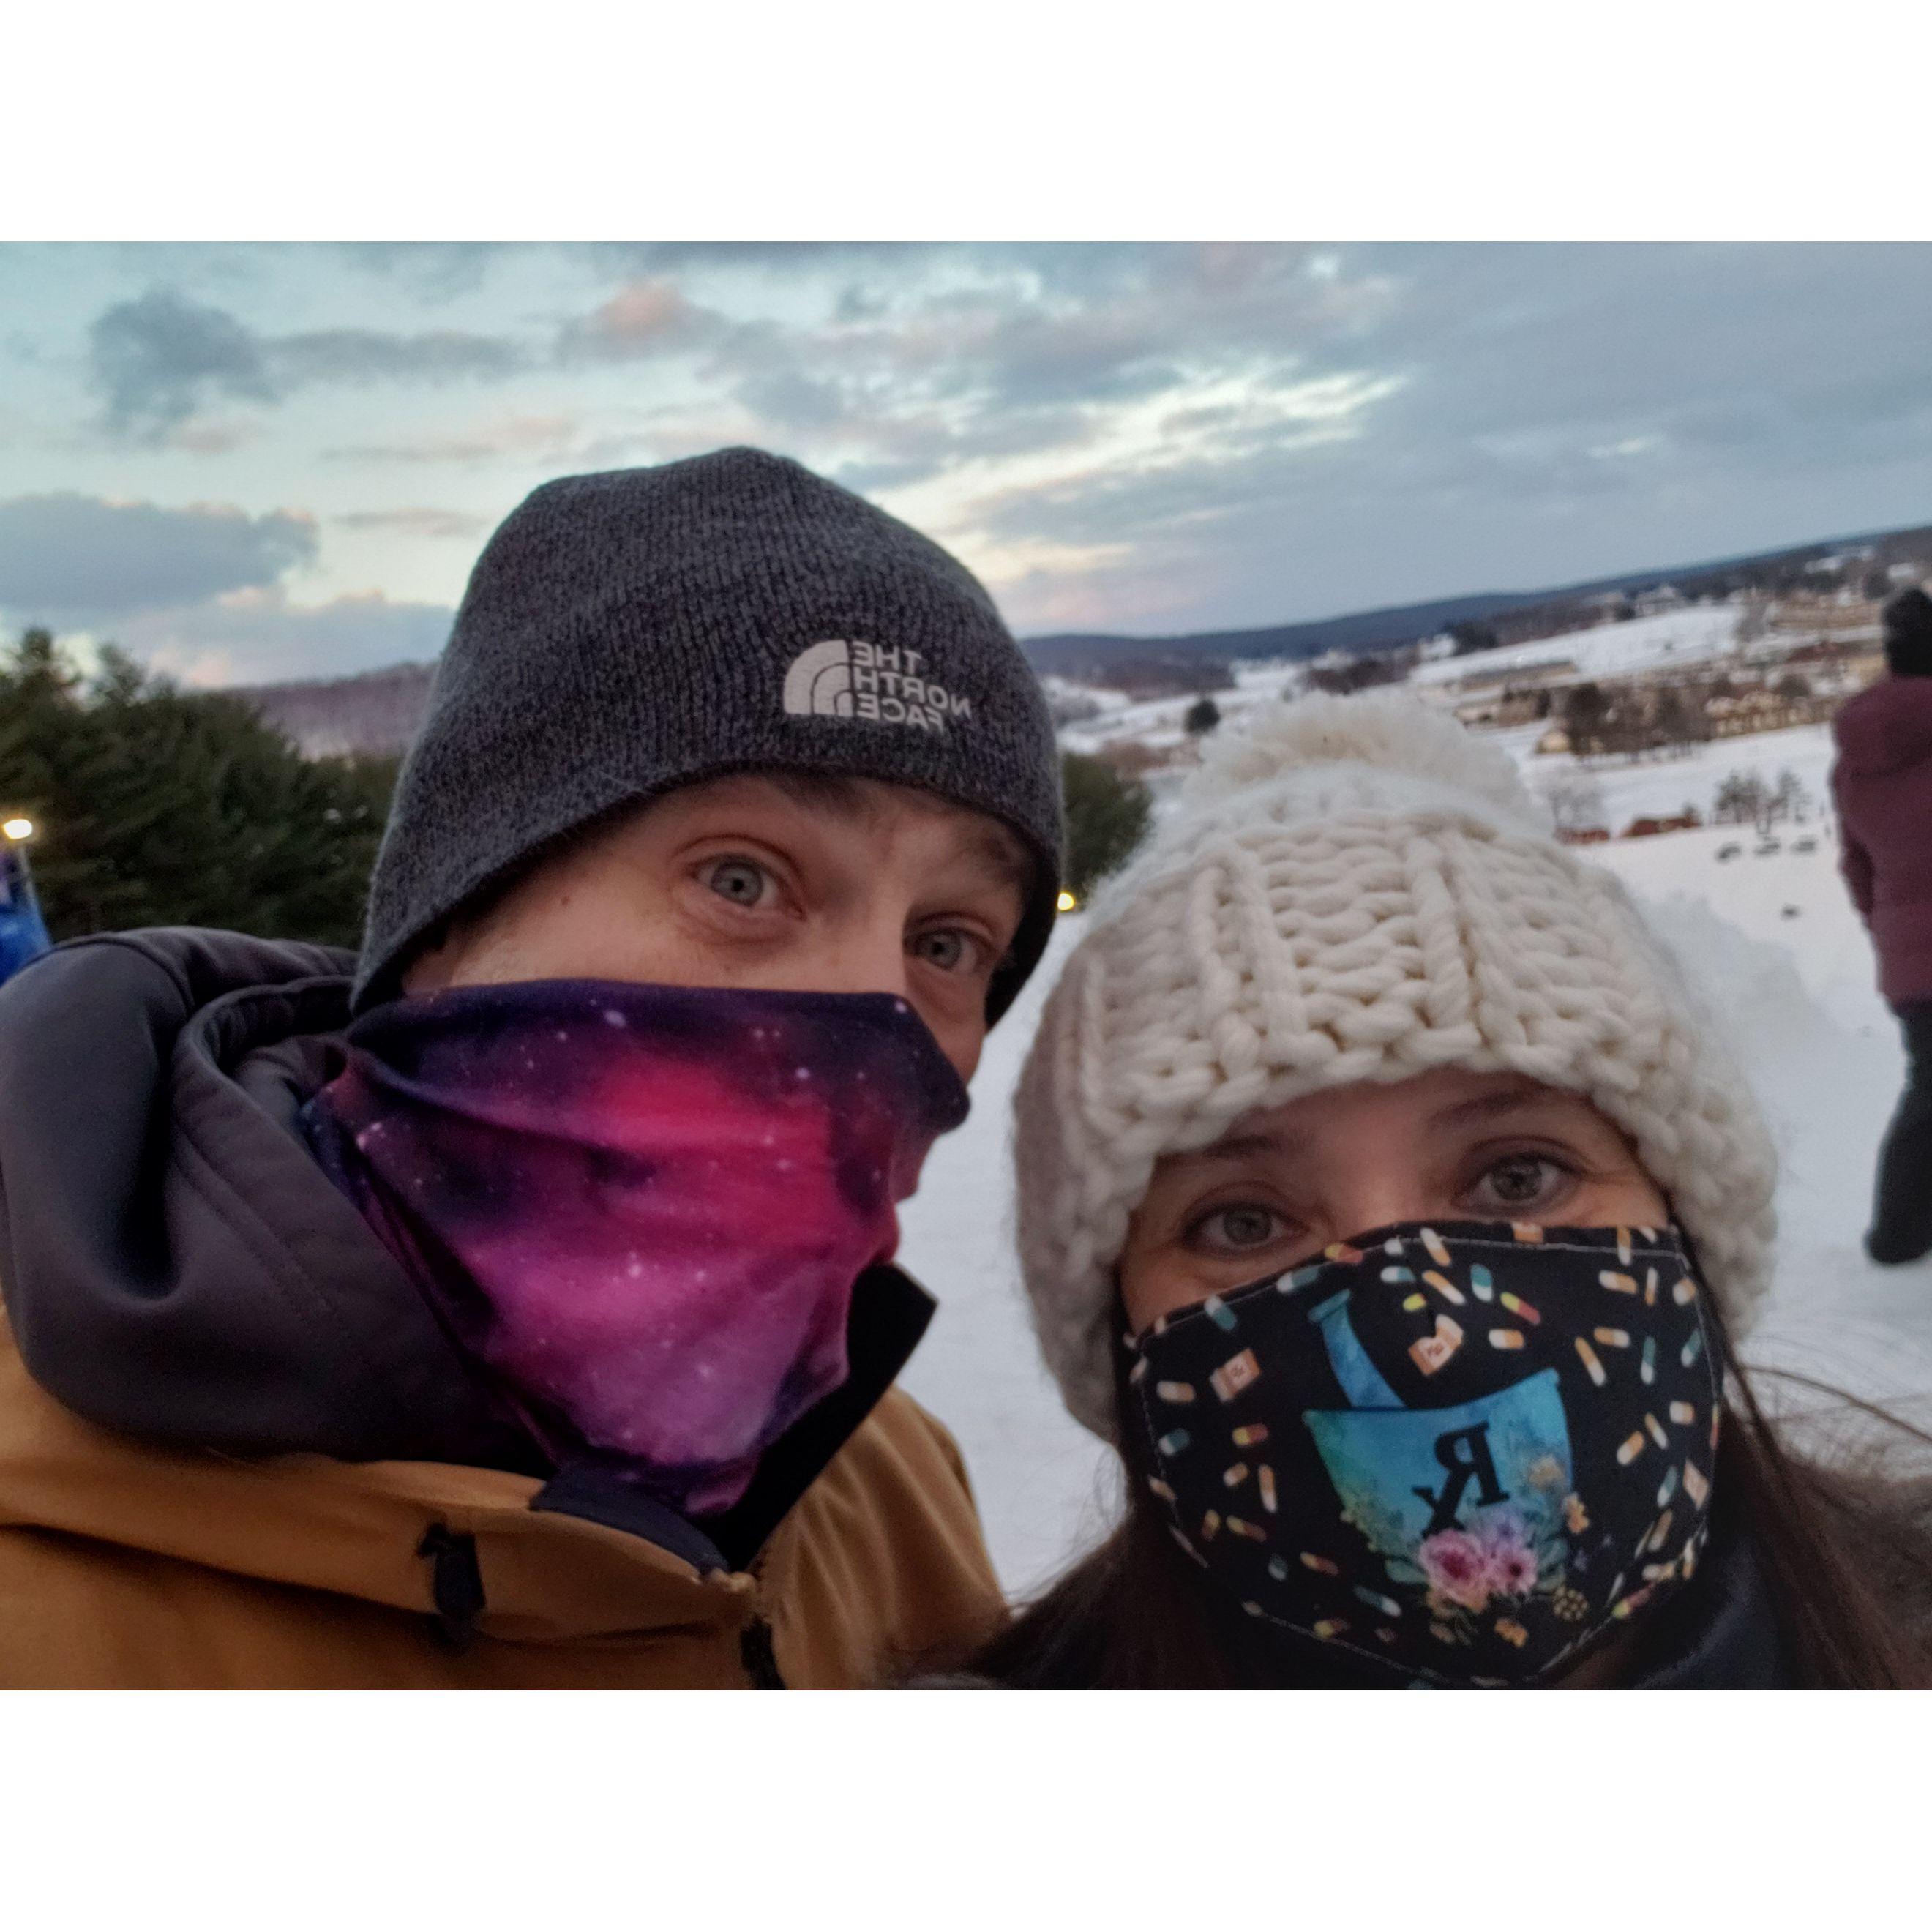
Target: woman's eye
1234, 1230
739, 880
1523, 1181
946, 947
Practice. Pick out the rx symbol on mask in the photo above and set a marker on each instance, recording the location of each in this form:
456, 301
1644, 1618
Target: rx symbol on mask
1465, 1454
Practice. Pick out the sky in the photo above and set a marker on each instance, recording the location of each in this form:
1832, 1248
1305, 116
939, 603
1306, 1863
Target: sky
248, 462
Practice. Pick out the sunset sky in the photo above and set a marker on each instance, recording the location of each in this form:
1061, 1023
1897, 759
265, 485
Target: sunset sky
247, 462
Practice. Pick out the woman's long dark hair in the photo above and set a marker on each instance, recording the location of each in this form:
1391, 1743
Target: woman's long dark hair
1843, 1546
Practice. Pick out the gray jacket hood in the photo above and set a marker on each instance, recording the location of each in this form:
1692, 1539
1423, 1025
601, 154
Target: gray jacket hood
174, 1262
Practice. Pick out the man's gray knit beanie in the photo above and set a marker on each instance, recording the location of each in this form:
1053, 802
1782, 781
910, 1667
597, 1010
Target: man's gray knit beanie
626, 633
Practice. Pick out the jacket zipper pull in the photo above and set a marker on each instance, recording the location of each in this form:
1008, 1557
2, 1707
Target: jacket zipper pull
761, 1659
456, 1582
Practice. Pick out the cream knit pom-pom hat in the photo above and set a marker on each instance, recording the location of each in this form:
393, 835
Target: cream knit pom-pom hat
1356, 890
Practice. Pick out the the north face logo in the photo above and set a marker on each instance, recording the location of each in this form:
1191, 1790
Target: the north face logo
847, 679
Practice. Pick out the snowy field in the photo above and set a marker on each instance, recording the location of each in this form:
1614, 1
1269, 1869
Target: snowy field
1784, 968
1157, 722
1692, 635
1695, 634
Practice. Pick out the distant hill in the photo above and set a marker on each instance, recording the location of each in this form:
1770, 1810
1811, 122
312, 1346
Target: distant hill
380, 711
376, 714
1088, 655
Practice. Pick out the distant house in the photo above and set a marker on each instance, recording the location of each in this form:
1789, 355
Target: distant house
1434, 650
1761, 709
1656, 603
1648, 828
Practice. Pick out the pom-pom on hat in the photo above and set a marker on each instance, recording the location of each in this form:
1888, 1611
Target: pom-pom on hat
1355, 890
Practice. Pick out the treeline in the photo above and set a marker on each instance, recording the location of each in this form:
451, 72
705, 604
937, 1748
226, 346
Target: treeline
156, 806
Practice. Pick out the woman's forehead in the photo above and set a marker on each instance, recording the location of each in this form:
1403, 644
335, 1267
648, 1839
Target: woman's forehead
1439, 1101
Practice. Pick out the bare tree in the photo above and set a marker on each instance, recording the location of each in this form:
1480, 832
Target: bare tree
1575, 801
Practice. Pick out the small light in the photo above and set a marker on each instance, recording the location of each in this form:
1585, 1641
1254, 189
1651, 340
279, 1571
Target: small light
23, 828
1066, 902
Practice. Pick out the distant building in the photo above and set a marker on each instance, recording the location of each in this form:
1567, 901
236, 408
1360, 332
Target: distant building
1655, 603
1433, 650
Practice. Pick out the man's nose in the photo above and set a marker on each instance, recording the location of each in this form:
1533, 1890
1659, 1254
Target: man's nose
866, 958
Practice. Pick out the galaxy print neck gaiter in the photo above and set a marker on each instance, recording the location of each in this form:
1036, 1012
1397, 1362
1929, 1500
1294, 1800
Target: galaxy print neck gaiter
641, 1209
1463, 1452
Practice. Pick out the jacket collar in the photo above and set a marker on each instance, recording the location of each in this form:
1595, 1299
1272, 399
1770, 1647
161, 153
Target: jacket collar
1722, 1632
890, 1313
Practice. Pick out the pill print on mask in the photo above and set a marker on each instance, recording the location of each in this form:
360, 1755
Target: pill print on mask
1465, 1452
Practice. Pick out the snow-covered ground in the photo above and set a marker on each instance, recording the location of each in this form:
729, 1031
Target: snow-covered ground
1784, 966
1157, 722
1692, 635
1660, 785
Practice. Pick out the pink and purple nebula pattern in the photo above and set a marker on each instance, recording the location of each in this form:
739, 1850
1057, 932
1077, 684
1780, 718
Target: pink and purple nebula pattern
642, 1208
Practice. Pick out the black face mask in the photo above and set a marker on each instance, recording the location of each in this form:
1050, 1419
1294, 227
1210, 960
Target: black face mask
1463, 1452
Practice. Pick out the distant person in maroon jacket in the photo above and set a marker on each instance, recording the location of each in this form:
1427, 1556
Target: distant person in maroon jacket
1883, 784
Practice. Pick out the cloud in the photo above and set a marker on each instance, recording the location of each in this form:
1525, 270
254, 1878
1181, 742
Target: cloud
437, 270
70, 558
643, 319
536, 439
375, 355
416, 523
158, 360
260, 637
197, 593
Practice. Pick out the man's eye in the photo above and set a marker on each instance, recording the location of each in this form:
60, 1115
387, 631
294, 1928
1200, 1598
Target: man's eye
1233, 1230
739, 880
946, 947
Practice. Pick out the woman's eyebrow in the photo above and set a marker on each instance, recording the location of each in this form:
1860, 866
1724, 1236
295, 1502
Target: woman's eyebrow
1238, 1147
1517, 1099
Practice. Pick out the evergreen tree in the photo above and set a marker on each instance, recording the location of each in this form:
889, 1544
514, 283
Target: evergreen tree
1470, 637
160, 807
1107, 816
1586, 712
1203, 715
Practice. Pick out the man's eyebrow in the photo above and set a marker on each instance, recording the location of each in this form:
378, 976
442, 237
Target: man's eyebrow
996, 846
1003, 855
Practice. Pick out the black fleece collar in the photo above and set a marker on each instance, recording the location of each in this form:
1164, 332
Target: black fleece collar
1721, 1632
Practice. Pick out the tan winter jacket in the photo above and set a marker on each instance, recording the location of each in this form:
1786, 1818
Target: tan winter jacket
237, 1449
126, 1566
